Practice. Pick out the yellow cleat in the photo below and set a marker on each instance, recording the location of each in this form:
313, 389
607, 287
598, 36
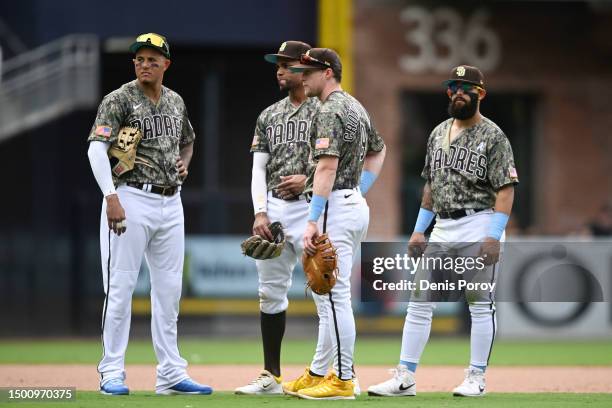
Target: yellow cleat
304, 381
332, 388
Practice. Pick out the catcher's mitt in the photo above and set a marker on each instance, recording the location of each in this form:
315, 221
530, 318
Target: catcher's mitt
122, 153
260, 248
321, 269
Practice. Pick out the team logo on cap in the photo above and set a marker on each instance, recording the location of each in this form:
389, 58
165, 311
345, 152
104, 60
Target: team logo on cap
282, 47
461, 71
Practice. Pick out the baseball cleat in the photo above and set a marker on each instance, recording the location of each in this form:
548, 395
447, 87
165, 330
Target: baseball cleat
331, 388
187, 387
356, 387
401, 385
473, 385
114, 386
304, 381
266, 384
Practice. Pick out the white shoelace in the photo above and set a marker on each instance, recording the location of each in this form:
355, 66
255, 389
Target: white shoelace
397, 373
259, 379
470, 376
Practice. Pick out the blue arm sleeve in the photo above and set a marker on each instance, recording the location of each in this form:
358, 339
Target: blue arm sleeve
367, 179
317, 205
423, 220
498, 225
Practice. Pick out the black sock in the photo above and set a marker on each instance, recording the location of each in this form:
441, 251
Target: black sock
314, 374
272, 332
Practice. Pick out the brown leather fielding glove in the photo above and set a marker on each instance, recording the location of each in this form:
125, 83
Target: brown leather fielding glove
260, 248
122, 153
321, 269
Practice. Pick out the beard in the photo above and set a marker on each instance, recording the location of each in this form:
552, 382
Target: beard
288, 85
465, 111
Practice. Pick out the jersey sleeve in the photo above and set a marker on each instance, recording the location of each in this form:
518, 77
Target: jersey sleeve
375, 141
108, 121
326, 136
426, 173
187, 133
260, 139
500, 169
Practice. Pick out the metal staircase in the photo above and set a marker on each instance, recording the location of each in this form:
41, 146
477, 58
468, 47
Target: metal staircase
47, 82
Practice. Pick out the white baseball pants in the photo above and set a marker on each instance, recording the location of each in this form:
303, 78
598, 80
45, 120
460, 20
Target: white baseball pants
155, 229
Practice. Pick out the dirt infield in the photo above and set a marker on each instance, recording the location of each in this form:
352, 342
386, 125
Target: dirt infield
226, 377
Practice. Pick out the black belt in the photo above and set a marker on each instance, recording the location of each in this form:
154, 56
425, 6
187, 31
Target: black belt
292, 198
162, 190
455, 215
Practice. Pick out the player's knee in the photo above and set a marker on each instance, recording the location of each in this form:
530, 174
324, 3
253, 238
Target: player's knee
119, 307
321, 302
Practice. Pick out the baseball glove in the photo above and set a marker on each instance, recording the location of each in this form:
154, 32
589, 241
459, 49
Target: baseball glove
122, 153
321, 269
260, 248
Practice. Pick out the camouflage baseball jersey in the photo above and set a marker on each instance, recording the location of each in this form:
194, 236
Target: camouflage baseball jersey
342, 128
165, 127
468, 172
282, 130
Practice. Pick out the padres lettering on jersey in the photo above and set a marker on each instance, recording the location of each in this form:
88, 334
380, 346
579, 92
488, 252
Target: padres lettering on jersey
283, 131
155, 126
165, 128
342, 128
468, 172
460, 159
287, 132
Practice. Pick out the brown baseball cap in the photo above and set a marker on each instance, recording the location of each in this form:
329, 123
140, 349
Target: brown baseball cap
466, 73
288, 49
319, 58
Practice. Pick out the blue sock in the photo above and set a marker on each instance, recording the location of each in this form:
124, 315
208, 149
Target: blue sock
483, 368
410, 366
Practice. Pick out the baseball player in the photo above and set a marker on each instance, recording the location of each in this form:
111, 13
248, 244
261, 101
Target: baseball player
470, 173
280, 166
349, 154
142, 213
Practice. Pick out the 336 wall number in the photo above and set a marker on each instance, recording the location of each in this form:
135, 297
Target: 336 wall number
444, 39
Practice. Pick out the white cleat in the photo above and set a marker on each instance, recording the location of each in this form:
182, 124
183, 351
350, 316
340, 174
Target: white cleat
265, 384
401, 385
473, 385
356, 387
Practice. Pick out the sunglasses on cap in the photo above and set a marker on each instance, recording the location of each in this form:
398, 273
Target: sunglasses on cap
464, 86
308, 60
152, 38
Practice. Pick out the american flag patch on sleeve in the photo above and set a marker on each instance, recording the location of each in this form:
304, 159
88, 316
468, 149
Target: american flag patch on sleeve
513, 172
322, 143
104, 131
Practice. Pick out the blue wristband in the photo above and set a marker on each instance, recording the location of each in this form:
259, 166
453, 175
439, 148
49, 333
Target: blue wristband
498, 225
317, 205
423, 220
367, 179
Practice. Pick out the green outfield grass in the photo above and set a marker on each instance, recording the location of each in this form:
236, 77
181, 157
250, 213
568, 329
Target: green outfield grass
426, 400
368, 351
